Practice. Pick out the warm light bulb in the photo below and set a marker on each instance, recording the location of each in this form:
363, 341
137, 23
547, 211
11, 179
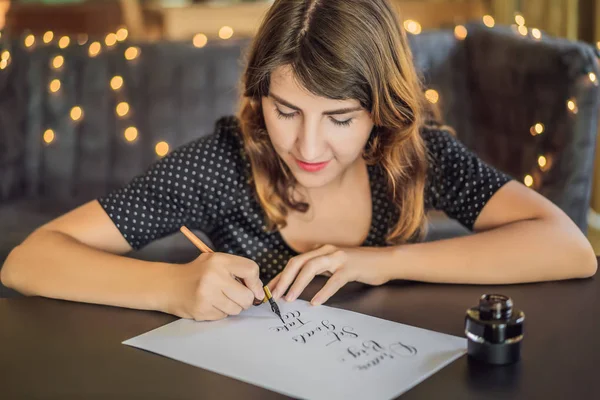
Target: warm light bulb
536, 33
572, 106
460, 32
48, 36
131, 133
225, 32
116, 82
76, 113
537, 129
432, 96
542, 161
412, 26
132, 53
488, 21
162, 148
94, 49
64, 42
122, 109
519, 20
200, 40
528, 180
49, 136
55, 85
122, 34
58, 62
592, 77
522, 30
29, 40
111, 39
5, 55
3, 64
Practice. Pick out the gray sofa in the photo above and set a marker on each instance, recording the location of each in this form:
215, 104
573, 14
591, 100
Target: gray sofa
493, 86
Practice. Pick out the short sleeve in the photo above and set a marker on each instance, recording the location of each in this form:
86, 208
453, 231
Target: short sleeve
458, 182
181, 188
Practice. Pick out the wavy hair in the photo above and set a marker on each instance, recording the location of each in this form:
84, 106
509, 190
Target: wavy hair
340, 49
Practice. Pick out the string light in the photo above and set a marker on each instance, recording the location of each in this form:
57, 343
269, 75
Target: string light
598, 45
536, 33
58, 62
545, 162
116, 82
432, 95
488, 21
522, 30
460, 32
226, 32
3, 64
29, 40
64, 42
48, 136
122, 109
572, 106
76, 113
412, 26
592, 77
48, 36
5, 55
162, 148
537, 129
94, 49
519, 20
131, 133
82, 39
200, 40
122, 34
54, 85
528, 180
132, 53
542, 161
111, 39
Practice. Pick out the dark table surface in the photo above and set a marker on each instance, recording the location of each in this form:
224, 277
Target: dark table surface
62, 350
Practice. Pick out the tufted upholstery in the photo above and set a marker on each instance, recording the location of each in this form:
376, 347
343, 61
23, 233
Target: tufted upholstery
493, 87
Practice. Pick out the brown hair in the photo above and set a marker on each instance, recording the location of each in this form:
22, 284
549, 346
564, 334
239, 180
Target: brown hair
340, 49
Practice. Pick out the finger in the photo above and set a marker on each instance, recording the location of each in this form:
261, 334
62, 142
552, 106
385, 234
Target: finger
307, 274
225, 304
248, 271
239, 294
291, 270
335, 283
272, 284
215, 314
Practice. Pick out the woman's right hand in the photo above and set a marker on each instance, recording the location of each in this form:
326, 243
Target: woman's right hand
206, 289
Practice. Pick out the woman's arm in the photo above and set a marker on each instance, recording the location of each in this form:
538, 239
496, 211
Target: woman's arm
521, 237
77, 257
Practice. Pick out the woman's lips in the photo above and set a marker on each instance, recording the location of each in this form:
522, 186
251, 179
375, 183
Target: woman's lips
311, 167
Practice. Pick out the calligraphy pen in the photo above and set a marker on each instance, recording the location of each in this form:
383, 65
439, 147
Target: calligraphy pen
203, 247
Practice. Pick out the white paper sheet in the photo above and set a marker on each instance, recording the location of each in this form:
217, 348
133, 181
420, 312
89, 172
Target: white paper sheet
320, 353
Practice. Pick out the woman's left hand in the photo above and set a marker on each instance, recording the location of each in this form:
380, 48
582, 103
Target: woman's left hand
343, 265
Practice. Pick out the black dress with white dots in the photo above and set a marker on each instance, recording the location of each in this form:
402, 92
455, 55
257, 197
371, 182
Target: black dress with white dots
204, 185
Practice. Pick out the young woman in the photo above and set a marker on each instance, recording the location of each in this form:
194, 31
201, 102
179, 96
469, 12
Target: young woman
329, 168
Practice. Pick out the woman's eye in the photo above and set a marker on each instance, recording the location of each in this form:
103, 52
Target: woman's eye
342, 123
284, 115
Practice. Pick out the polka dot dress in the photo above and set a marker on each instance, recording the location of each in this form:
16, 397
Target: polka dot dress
204, 185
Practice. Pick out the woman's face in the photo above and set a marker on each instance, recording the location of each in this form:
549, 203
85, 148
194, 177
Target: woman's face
317, 137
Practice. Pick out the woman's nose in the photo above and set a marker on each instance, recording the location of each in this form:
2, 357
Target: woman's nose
310, 143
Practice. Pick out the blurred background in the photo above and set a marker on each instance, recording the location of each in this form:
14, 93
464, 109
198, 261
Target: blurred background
92, 92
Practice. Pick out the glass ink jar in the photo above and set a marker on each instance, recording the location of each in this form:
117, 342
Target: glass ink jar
494, 330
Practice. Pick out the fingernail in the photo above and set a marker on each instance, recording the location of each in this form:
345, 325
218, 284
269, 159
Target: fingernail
290, 297
316, 302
